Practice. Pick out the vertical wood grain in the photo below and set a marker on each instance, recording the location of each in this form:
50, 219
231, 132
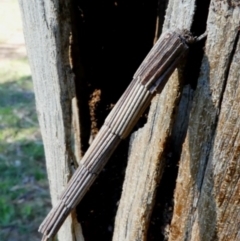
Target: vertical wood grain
147, 152
47, 30
207, 192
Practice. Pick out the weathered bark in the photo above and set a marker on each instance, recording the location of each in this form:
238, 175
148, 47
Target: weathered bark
198, 126
207, 192
149, 145
206, 202
47, 30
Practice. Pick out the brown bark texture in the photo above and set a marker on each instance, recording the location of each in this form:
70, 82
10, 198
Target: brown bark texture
193, 123
206, 200
148, 148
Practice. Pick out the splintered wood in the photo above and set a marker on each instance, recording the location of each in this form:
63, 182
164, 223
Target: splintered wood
207, 192
149, 79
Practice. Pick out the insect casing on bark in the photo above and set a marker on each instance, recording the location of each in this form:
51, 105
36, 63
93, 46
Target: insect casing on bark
149, 79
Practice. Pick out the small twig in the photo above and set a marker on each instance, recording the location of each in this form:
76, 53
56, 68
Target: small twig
202, 36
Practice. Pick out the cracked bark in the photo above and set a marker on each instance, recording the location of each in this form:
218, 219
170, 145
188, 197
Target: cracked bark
149, 146
207, 192
205, 198
199, 124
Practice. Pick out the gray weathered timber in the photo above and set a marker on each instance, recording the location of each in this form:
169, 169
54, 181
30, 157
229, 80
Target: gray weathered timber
208, 184
206, 201
147, 150
47, 30
149, 79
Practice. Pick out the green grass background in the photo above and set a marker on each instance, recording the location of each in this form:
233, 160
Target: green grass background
24, 194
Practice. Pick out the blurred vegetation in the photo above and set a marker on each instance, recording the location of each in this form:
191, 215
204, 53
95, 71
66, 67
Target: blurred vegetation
24, 194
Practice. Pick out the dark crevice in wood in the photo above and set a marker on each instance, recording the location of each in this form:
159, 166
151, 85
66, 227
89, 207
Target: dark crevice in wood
112, 38
229, 62
195, 55
193, 67
228, 68
82, 89
163, 209
161, 9
214, 125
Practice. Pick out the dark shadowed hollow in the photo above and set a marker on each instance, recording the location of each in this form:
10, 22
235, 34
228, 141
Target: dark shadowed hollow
110, 41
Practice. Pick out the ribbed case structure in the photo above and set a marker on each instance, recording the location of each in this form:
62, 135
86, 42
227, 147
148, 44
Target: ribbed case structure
149, 79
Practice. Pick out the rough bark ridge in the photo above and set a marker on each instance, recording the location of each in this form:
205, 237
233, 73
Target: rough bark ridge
148, 149
206, 202
207, 192
47, 30
206, 198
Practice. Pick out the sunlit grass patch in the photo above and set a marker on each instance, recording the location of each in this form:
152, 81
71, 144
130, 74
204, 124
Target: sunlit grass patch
24, 195
24, 198
24, 190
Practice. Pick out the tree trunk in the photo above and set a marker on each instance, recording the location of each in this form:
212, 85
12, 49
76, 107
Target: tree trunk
207, 191
46, 28
75, 56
